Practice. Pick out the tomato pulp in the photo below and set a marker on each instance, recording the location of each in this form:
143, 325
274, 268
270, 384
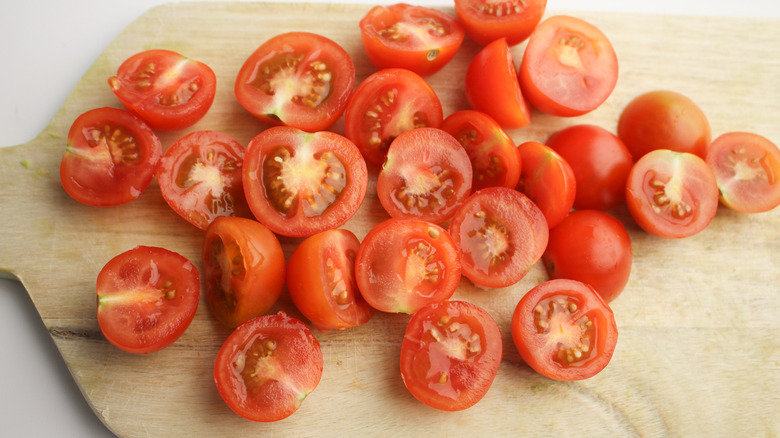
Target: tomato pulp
486, 21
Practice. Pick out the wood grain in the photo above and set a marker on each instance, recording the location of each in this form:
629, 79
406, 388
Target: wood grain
698, 352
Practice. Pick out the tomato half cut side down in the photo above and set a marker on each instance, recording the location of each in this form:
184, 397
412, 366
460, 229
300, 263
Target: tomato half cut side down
267, 367
110, 159
569, 67
146, 298
486, 21
548, 180
564, 330
415, 38
450, 355
297, 79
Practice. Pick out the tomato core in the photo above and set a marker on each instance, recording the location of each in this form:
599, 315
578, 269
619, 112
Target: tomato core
569, 335
284, 78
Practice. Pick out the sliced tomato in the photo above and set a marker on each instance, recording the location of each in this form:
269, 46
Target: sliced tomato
564, 330
321, 281
415, 38
405, 264
450, 355
487, 20
300, 183
110, 159
200, 177
548, 180
500, 234
243, 269
569, 67
267, 367
387, 104
427, 175
146, 298
297, 79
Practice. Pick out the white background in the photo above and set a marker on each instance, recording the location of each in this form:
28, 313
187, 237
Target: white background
45, 48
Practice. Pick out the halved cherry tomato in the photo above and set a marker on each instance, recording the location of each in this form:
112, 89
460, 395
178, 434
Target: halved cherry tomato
493, 154
671, 194
500, 234
110, 159
321, 281
165, 89
267, 367
416, 38
299, 183
548, 180
747, 169
297, 79
385, 105
564, 330
200, 177
427, 175
486, 20
569, 67
146, 298
405, 264
492, 86
450, 355
243, 269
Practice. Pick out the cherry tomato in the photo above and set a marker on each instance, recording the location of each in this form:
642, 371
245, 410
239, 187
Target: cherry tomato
297, 79
747, 169
427, 175
450, 355
404, 264
110, 159
600, 163
165, 89
267, 367
664, 119
200, 177
415, 38
300, 183
243, 269
492, 152
592, 247
548, 180
671, 194
486, 21
569, 67
492, 86
146, 298
385, 105
564, 330
321, 281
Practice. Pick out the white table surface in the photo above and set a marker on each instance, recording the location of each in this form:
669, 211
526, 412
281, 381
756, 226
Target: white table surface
46, 46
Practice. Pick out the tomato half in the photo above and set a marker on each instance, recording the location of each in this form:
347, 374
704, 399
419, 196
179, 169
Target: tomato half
548, 180
267, 367
671, 194
500, 234
405, 264
385, 105
492, 152
415, 38
493, 88
146, 298
427, 175
297, 79
321, 281
243, 269
110, 159
564, 330
200, 177
747, 169
299, 183
486, 20
450, 355
569, 67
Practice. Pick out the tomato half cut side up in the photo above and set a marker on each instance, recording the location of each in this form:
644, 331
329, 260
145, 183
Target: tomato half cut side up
548, 180
297, 79
267, 367
564, 330
146, 298
500, 234
450, 355
486, 21
299, 183
110, 159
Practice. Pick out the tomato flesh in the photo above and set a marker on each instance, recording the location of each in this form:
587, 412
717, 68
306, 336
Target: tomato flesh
486, 20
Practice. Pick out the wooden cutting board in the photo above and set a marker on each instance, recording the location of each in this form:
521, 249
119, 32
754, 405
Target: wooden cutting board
699, 345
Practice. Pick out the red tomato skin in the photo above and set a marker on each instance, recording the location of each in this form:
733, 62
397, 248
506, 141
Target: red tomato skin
484, 24
548, 180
